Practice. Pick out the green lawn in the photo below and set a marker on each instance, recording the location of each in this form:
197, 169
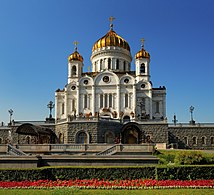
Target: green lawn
67, 191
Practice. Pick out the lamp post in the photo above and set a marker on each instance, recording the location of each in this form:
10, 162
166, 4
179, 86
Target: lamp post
50, 106
191, 109
174, 120
10, 113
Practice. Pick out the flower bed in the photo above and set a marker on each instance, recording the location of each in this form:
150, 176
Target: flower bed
105, 184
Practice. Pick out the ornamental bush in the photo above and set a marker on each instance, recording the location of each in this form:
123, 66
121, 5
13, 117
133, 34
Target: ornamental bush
110, 173
188, 158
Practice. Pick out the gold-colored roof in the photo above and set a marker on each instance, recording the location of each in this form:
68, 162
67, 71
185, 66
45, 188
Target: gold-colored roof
75, 56
111, 39
142, 54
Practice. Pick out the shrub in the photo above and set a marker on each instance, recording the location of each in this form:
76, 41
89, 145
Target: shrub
188, 158
110, 173
186, 172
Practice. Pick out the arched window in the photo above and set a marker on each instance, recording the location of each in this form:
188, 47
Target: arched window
81, 138
124, 65
63, 108
110, 100
73, 105
126, 100
106, 100
117, 64
203, 139
109, 63
85, 101
109, 137
74, 70
101, 64
157, 107
194, 140
142, 68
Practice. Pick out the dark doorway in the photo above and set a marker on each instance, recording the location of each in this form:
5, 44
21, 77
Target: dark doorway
131, 134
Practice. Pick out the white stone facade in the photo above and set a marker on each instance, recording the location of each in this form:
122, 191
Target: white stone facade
111, 90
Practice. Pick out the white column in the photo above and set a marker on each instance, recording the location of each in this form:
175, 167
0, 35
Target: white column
122, 101
150, 104
130, 100
134, 101
78, 100
88, 101
164, 105
98, 102
108, 100
104, 105
118, 100
113, 63
66, 105
93, 100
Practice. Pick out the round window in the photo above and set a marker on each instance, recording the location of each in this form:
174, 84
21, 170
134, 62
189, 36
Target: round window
73, 87
143, 86
85, 82
126, 80
106, 79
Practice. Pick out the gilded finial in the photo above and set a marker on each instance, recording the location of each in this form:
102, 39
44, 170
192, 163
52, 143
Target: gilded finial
88, 68
111, 22
142, 41
76, 43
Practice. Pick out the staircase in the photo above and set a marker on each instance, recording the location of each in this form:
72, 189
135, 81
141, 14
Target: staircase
109, 151
14, 151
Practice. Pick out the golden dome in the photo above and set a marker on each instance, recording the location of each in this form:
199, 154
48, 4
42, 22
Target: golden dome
142, 54
75, 56
111, 39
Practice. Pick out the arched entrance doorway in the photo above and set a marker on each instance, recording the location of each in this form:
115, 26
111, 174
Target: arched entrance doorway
82, 138
109, 137
131, 134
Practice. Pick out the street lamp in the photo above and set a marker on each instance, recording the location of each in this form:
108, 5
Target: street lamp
174, 120
10, 113
191, 109
50, 106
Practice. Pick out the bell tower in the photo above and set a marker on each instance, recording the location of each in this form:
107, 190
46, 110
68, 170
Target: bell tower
142, 61
75, 65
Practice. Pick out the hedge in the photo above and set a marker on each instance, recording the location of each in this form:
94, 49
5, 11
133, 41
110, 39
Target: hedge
111, 173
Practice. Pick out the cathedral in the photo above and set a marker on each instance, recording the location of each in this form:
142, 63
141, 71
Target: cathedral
111, 90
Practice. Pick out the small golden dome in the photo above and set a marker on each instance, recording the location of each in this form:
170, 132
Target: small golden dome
111, 39
75, 56
142, 54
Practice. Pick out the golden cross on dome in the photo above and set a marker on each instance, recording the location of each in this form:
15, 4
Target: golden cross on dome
142, 41
76, 43
111, 20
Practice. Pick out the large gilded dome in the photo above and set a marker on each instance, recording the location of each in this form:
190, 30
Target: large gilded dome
75, 56
111, 39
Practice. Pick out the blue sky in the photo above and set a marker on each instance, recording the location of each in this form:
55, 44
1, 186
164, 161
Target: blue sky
36, 37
